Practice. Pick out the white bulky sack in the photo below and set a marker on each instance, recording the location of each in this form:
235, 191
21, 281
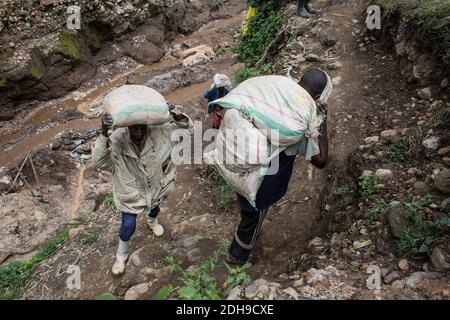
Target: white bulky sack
241, 146
136, 105
276, 103
242, 154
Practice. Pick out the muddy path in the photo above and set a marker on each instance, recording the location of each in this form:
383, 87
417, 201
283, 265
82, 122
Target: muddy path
195, 222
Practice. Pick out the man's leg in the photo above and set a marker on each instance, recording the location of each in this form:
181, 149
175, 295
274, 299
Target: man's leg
246, 235
301, 9
127, 229
309, 8
153, 223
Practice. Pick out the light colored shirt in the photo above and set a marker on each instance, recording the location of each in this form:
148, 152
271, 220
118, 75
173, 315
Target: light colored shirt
307, 148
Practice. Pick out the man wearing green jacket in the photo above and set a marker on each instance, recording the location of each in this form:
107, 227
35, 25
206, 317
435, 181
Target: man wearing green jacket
139, 158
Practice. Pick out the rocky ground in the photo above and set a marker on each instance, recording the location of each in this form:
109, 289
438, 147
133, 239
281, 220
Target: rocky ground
43, 59
388, 166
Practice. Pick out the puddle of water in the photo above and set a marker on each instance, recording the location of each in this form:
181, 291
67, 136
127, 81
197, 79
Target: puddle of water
181, 95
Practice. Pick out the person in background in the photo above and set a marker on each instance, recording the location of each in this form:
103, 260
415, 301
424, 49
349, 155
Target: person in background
251, 13
304, 9
220, 88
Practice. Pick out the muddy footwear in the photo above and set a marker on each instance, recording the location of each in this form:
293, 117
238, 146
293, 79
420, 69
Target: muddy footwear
310, 9
121, 258
301, 9
236, 261
119, 266
155, 226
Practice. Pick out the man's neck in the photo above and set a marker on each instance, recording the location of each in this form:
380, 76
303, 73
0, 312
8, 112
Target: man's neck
138, 143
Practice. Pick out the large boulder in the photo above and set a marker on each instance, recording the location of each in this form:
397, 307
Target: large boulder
137, 292
197, 55
146, 52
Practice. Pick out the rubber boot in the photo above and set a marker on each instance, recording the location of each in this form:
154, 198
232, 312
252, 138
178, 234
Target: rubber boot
155, 226
121, 259
301, 9
310, 9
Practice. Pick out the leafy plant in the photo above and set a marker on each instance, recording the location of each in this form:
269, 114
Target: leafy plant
368, 186
378, 207
223, 50
398, 150
91, 237
344, 196
108, 201
227, 191
253, 44
236, 277
441, 118
15, 275
293, 264
423, 234
200, 284
249, 72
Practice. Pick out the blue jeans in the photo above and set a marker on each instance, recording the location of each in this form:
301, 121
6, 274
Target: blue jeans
129, 223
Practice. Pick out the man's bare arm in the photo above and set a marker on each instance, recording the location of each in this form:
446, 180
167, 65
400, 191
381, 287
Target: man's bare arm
320, 160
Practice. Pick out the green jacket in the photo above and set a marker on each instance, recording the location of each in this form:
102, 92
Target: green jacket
140, 182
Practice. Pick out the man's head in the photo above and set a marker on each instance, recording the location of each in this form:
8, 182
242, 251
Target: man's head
138, 133
314, 81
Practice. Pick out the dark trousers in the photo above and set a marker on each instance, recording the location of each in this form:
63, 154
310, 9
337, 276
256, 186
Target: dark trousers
245, 238
128, 225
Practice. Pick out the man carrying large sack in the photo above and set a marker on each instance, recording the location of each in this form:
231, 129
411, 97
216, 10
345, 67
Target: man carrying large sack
274, 187
138, 154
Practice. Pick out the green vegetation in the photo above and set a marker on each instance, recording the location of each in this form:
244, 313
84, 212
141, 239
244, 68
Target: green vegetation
441, 118
226, 201
70, 46
15, 275
250, 72
428, 15
91, 237
377, 208
36, 72
344, 198
293, 264
108, 201
200, 284
399, 150
223, 50
262, 29
106, 296
252, 45
368, 186
424, 233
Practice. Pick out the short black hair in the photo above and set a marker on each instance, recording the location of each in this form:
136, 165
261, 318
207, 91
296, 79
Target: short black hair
314, 81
